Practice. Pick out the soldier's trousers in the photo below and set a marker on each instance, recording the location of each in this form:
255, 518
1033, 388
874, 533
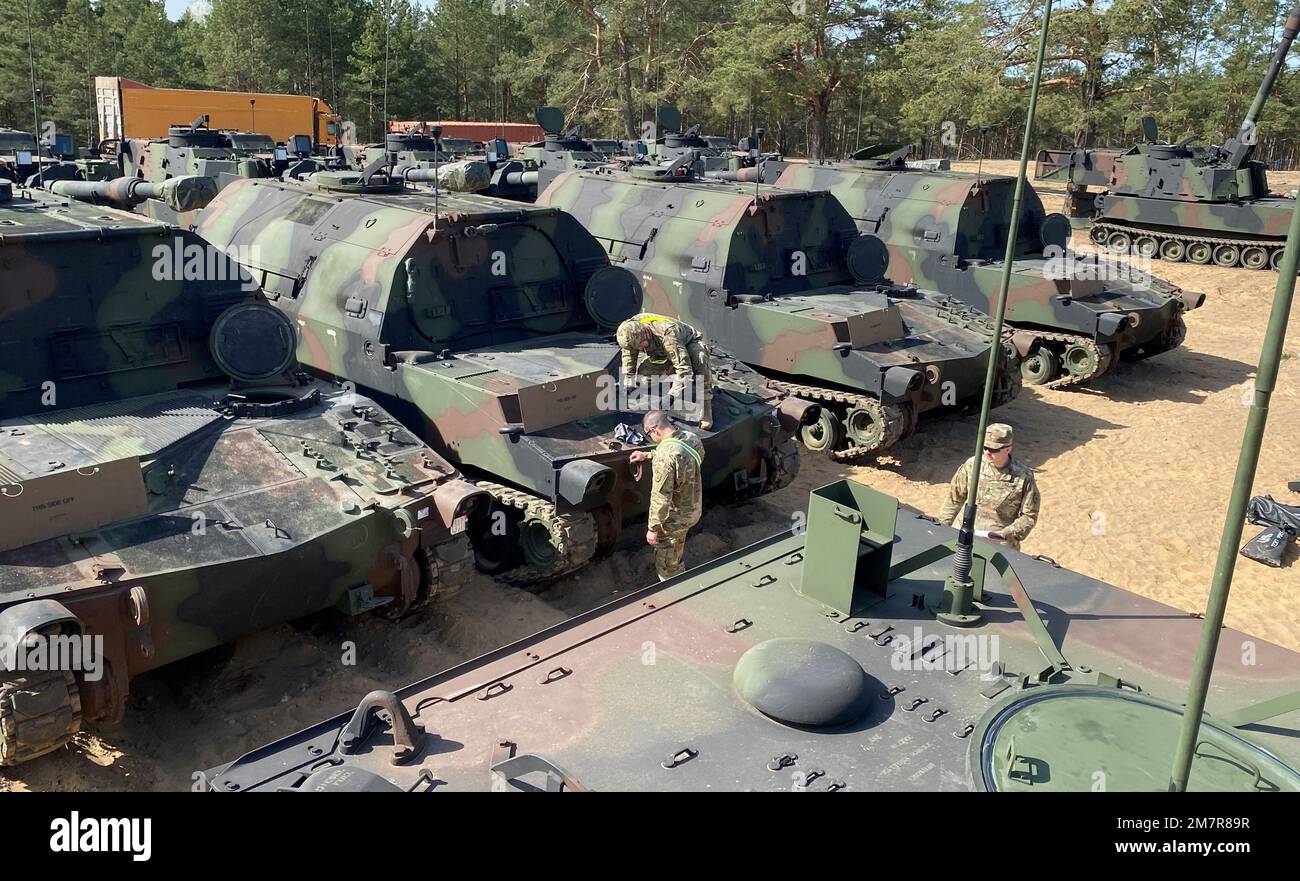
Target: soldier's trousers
699, 363
669, 553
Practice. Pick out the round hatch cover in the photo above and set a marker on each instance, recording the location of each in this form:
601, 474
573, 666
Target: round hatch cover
253, 342
613, 295
1056, 230
868, 259
1077, 738
802, 682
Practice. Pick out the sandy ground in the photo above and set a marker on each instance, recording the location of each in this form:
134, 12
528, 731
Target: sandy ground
1134, 472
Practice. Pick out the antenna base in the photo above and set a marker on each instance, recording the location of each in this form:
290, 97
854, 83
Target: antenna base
957, 608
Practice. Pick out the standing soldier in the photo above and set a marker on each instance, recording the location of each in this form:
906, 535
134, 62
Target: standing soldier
676, 499
670, 347
1007, 507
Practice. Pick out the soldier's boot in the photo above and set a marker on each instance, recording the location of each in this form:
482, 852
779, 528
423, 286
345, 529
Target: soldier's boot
706, 419
669, 553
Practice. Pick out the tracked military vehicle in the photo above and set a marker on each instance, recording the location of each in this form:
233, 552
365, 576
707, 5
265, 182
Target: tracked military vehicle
812, 661
564, 148
486, 326
711, 152
195, 150
1071, 318
784, 281
1182, 202
20, 155
169, 480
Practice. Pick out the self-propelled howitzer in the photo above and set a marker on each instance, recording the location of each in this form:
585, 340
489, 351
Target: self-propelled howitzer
1072, 317
1183, 201
169, 480
487, 326
783, 280
813, 661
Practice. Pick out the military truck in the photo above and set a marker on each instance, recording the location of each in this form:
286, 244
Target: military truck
1182, 202
486, 327
813, 661
169, 479
784, 281
1073, 317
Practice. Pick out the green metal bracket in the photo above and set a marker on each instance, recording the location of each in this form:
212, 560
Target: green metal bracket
359, 600
1268, 709
849, 544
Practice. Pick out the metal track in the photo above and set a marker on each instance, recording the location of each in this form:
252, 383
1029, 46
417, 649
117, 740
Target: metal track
572, 535
1136, 232
1072, 339
39, 713
898, 419
442, 578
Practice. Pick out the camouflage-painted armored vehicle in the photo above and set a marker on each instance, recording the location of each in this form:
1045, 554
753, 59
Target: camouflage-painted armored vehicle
813, 661
415, 149
169, 480
198, 151
486, 327
1182, 201
711, 152
784, 281
1071, 319
20, 155
564, 148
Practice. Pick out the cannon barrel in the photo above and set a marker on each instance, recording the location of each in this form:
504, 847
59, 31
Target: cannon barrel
1289, 31
180, 193
747, 175
521, 178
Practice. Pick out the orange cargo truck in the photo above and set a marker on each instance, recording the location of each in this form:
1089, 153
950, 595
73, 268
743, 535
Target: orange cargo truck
128, 109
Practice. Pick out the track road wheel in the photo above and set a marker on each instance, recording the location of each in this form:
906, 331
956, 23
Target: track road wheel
1040, 367
1226, 256
1172, 250
1199, 253
39, 713
825, 434
1254, 257
1098, 235
1145, 246
1080, 360
1119, 243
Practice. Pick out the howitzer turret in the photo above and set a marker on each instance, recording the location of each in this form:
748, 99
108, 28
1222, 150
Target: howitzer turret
1182, 201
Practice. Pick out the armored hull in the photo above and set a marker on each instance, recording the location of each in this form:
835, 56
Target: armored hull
169, 481
486, 325
812, 661
783, 280
1073, 317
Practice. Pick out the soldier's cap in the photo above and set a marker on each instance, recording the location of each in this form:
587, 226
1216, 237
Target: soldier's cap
631, 332
997, 436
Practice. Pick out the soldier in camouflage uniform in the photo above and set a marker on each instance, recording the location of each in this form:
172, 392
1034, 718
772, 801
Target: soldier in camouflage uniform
676, 499
670, 347
1008, 496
